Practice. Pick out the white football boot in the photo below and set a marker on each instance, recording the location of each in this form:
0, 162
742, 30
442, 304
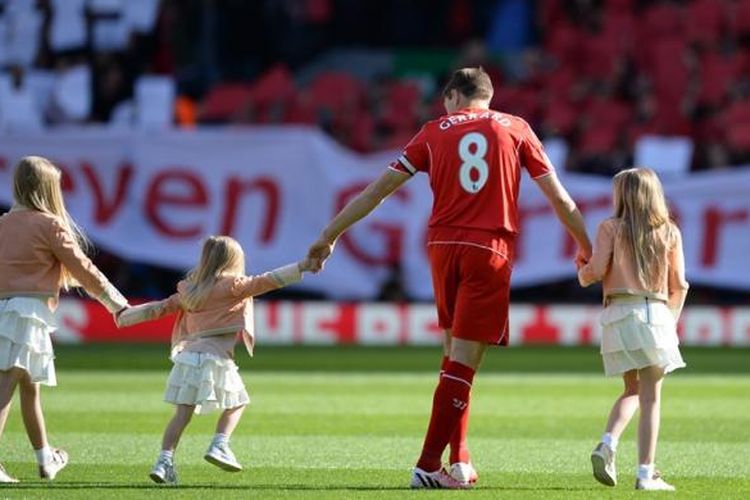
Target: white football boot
59, 461
440, 479
464, 472
603, 464
655, 483
222, 457
163, 472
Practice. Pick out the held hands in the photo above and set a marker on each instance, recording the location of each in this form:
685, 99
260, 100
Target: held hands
118, 314
318, 253
583, 255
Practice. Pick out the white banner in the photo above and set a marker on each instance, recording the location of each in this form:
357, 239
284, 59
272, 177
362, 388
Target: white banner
152, 197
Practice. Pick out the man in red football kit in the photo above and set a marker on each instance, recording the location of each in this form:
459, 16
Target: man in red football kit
473, 157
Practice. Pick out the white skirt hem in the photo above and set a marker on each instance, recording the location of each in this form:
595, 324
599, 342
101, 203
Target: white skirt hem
25, 327
206, 381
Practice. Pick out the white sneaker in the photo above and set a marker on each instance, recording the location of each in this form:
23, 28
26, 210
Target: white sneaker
655, 483
163, 472
438, 479
59, 461
603, 463
5, 477
464, 472
222, 457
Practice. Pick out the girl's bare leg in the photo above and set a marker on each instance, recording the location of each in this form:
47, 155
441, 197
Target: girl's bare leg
649, 394
228, 421
173, 432
8, 381
625, 406
31, 410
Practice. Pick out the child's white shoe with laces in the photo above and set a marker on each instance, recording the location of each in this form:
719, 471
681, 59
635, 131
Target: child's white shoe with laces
603, 464
220, 455
654, 483
54, 463
5, 477
163, 471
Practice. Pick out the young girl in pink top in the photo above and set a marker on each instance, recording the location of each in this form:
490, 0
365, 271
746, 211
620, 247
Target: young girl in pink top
214, 304
638, 255
41, 251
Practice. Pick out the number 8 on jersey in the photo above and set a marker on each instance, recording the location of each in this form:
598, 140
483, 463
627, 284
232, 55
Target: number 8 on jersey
474, 170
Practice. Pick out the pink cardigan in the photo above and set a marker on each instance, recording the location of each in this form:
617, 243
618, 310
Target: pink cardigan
34, 247
617, 269
228, 310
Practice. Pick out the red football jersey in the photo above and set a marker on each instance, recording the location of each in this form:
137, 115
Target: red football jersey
474, 158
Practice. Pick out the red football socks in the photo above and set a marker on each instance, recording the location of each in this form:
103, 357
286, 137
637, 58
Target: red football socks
459, 449
449, 405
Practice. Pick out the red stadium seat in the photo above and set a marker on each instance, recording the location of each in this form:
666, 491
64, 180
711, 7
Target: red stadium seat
740, 17
561, 117
607, 112
517, 100
598, 140
704, 20
336, 91
362, 132
225, 101
274, 89
619, 24
737, 125
276, 83
401, 109
717, 74
302, 110
668, 68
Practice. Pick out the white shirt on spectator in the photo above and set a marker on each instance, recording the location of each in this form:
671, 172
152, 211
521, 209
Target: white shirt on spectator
68, 27
141, 15
72, 94
23, 24
154, 97
18, 109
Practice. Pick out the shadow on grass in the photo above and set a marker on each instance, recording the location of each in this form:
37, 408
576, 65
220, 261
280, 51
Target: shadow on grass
262, 487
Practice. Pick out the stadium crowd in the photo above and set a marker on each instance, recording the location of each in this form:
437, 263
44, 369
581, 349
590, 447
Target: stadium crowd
599, 75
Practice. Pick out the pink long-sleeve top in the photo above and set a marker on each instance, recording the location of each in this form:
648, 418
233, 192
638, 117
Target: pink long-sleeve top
226, 312
34, 248
612, 264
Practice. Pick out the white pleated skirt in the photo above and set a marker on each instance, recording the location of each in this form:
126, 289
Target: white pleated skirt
637, 335
207, 381
25, 327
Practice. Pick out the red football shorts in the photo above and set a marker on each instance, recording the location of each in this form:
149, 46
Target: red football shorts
472, 292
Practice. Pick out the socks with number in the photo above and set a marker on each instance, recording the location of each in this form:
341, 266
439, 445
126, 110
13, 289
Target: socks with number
43, 455
448, 406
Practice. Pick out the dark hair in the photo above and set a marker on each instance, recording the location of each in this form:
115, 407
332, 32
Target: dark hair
473, 83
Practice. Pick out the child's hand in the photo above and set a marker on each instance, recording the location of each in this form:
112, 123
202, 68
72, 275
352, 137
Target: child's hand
119, 313
306, 265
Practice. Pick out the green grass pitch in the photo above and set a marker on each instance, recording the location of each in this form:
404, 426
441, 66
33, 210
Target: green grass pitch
347, 423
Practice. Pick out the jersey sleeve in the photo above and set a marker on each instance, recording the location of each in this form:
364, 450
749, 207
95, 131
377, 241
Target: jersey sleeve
416, 156
533, 157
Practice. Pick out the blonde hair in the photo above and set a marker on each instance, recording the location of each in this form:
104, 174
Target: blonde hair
36, 186
221, 255
647, 230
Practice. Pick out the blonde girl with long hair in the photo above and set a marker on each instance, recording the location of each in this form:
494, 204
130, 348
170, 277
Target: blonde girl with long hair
41, 251
214, 307
638, 256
